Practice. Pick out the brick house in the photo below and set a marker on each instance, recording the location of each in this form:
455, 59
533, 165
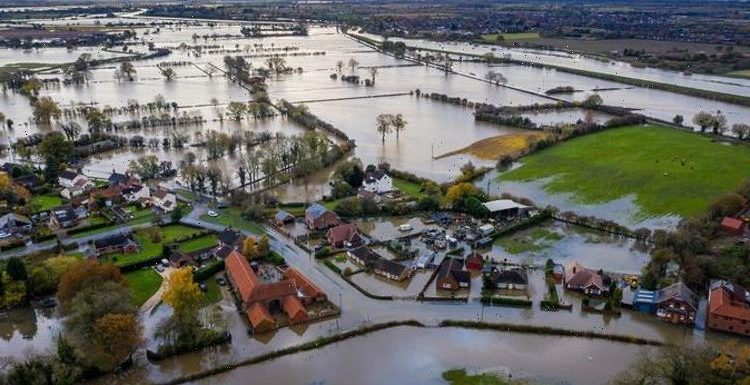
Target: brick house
451, 275
344, 235
318, 217
676, 304
586, 281
729, 308
120, 243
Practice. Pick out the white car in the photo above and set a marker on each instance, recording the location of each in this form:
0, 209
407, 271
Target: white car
213, 214
4, 235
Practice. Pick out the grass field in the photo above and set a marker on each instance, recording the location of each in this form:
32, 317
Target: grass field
45, 202
669, 171
198, 243
232, 217
143, 284
740, 74
498, 146
411, 189
492, 37
213, 292
150, 249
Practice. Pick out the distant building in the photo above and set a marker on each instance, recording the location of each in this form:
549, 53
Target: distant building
67, 216
580, 279
363, 256
729, 308
505, 208
732, 226
391, 270
74, 184
451, 275
231, 238
377, 182
120, 243
510, 279
676, 304
318, 217
282, 218
179, 259
164, 200
644, 301
12, 223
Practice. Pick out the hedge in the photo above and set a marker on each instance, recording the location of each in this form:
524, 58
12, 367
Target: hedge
547, 305
506, 301
12, 245
208, 271
90, 228
332, 266
166, 351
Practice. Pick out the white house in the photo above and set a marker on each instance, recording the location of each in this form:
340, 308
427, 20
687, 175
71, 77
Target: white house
74, 184
377, 182
164, 200
136, 193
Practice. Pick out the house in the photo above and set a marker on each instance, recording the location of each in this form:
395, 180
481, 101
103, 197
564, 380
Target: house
732, 226
676, 304
282, 218
377, 182
116, 178
644, 301
230, 238
581, 279
510, 279
310, 291
474, 261
318, 217
263, 301
729, 308
505, 208
105, 197
344, 235
119, 243
179, 259
164, 200
391, 270
136, 193
363, 256
29, 181
222, 251
74, 184
12, 223
451, 275
66, 216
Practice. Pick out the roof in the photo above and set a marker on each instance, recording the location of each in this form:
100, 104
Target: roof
229, 237
474, 257
283, 216
67, 174
342, 233
293, 308
308, 288
117, 178
241, 274
371, 177
514, 276
729, 300
315, 210
6, 219
258, 315
222, 251
177, 257
161, 194
454, 267
732, 223
269, 291
365, 254
644, 296
390, 267
578, 276
502, 205
117, 240
678, 291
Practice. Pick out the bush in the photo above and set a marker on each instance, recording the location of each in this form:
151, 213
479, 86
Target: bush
514, 302
208, 271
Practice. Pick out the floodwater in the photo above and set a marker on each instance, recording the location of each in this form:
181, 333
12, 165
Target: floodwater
419, 357
26, 331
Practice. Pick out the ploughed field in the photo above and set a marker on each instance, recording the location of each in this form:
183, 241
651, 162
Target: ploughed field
669, 172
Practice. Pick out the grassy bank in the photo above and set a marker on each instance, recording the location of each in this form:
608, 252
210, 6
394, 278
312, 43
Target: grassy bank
657, 164
232, 217
495, 147
143, 284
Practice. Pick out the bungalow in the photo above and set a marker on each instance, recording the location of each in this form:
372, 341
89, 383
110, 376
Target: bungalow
510, 279
12, 223
136, 193
391, 270
179, 259
377, 182
474, 261
105, 197
732, 226
29, 181
120, 243
581, 279
451, 275
230, 238
344, 235
729, 308
677, 304
282, 218
67, 216
363, 256
164, 200
318, 217
120, 179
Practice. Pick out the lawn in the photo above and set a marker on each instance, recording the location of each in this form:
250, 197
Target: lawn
198, 243
668, 171
411, 189
536, 240
232, 217
143, 284
150, 249
213, 292
45, 202
492, 37
140, 215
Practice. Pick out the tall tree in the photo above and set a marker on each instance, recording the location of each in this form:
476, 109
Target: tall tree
46, 109
55, 151
353, 63
398, 123
383, 125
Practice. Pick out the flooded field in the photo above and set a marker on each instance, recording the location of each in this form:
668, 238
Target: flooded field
420, 356
25, 332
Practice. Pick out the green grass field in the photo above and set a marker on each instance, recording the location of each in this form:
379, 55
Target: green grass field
150, 249
409, 188
669, 171
213, 292
143, 284
45, 202
492, 37
198, 243
232, 217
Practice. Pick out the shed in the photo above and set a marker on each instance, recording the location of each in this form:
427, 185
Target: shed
732, 226
644, 301
505, 208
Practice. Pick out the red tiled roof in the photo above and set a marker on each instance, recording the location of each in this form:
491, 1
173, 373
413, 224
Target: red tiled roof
342, 233
308, 288
720, 303
294, 309
275, 290
259, 317
241, 275
578, 276
732, 223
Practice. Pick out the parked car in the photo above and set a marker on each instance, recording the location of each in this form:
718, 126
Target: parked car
203, 286
212, 214
159, 268
4, 235
221, 281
